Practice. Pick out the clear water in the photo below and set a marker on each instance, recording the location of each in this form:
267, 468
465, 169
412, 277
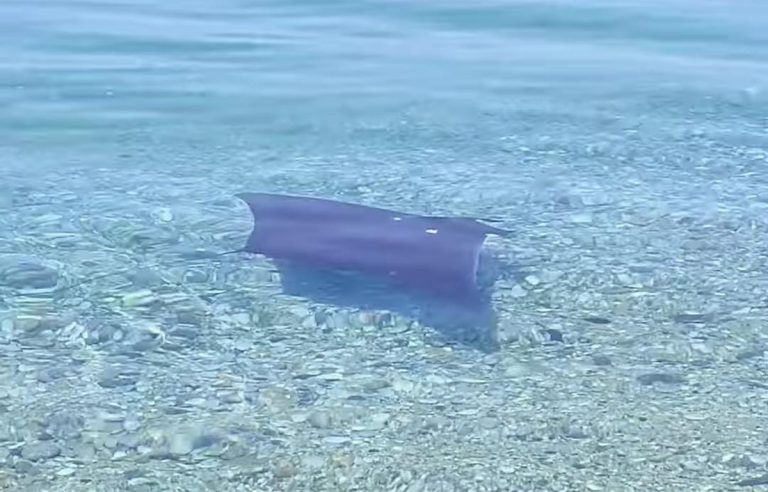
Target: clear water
624, 142
102, 79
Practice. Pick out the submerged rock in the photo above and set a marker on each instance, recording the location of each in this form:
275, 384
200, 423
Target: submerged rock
655, 377
27, 273
39, 451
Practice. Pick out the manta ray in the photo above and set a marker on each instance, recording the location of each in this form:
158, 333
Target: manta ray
438, 256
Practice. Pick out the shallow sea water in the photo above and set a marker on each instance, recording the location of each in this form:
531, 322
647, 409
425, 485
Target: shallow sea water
624, 143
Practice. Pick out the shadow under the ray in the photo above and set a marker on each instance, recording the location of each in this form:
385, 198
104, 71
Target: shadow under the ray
469, 322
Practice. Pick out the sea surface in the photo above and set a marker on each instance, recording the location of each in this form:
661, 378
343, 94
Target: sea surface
624, 145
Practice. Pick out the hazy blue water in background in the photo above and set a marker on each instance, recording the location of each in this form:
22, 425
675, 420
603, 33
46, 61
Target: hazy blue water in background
625, 142
90, 81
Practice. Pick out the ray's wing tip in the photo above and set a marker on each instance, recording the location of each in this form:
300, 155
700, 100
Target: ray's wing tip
498, 231
246, 195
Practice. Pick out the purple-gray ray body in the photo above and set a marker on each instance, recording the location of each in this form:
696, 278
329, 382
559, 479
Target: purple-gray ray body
437, 255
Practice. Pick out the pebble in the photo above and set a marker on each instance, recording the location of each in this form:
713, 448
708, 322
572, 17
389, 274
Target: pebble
40, 450
596, 198
130, 440
145, 277
196, 276
436, 379
112, 416
275, 399
624, 279
307, 373
331, 376
554, 335
516, 369
518, 292
692, 317
192, 316
64, 424
240, 318
601, 360
29, 274
142, 237
51, 374
754, 481
162, 214
197, 254
533, 280
313, 462
418, 485
319, 419
650, 378
139, 298
375, 384
403, 386
750, 353
572, 200
6, 326
379, 420
436, 423
336, 440
66, 472
574, 432
109, 442
310, 322
84, 452
745, 460
231, 397
147, 336
181, 444
26, 467
131, 424
285, 469
488, 423
29, 324
115, 377
243, 344
119, 454
582, 218
306, 396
